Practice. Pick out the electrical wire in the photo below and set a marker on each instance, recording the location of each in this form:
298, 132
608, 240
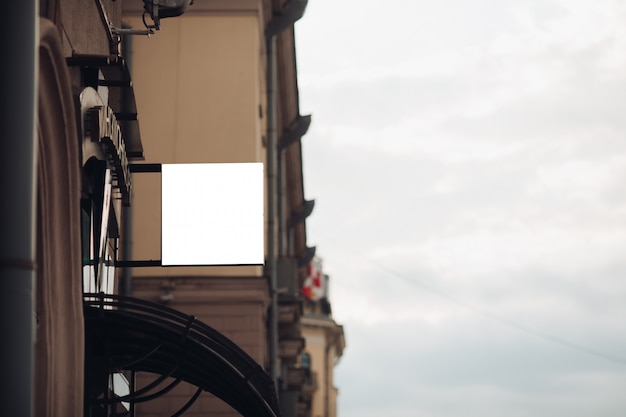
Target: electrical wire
483, 311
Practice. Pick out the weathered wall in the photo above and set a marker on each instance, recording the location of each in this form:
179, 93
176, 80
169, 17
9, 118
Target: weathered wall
60, 333
199, 93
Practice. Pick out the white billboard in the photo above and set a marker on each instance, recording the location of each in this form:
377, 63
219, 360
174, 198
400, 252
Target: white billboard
212, 214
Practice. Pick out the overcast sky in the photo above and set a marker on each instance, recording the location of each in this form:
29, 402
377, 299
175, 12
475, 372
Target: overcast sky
468, 162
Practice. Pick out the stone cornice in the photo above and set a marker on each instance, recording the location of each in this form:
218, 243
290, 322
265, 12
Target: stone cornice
205, 289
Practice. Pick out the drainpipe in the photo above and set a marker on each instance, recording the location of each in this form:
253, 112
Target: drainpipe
18, 154
126, 284
293, 12
297, 130
279, 197
271, 205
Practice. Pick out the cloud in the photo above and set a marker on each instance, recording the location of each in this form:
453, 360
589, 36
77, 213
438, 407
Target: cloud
475, 369
468, 161
525, 80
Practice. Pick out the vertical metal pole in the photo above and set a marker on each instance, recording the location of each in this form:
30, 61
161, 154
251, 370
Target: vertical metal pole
18, 147
126, 284
271, 207
133, 384
279, 196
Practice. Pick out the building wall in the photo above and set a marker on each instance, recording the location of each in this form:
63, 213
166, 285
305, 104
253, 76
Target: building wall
200, 90
324, 343
59, 341
200, 94
316, 347
237, 307
65, 29
234, 306
199, 84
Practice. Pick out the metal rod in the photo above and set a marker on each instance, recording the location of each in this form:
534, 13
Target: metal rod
122, 32
115, 83
127, 212
144, 167
279, 209
133, 383
107, 23
137, 264
125, 116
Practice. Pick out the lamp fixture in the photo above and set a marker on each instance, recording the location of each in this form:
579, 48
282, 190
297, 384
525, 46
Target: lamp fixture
156, 10
160, 9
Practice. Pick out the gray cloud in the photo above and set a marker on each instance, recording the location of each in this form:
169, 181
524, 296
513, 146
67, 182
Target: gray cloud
474, 369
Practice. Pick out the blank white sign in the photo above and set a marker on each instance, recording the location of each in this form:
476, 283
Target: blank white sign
212, 214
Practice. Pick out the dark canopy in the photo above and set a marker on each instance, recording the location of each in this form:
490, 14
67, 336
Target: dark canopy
128, 334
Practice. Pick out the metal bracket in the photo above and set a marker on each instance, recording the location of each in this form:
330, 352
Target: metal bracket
123, 32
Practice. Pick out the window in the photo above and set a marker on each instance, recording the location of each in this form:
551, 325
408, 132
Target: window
99, 229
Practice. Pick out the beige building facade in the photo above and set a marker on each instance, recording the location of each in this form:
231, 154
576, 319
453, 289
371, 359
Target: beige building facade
94, 325
215, 107
325, 344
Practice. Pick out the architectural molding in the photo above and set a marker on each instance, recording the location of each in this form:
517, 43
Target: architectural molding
59, 348
204, 289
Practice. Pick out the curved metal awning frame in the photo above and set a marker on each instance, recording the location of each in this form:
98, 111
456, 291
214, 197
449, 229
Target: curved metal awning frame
129, 334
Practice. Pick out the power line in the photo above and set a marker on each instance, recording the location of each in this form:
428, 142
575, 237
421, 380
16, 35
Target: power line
485, 312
